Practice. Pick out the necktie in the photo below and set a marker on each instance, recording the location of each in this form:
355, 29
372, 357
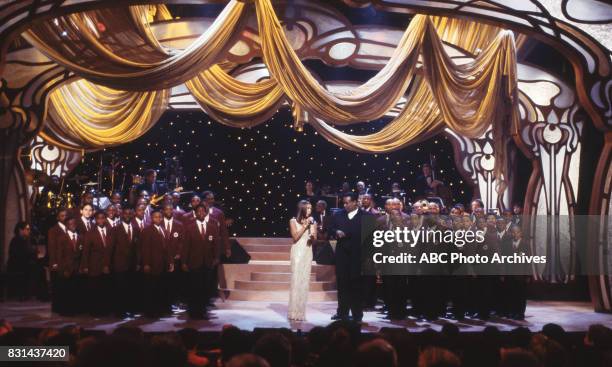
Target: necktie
87, 225
167, 227
74, 242
203, 230
129, 228
103, 237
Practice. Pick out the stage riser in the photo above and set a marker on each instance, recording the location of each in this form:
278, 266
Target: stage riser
267, 276
276, 277
229, 273
267, 248
280, 286
244, 241
276, 296
270, 256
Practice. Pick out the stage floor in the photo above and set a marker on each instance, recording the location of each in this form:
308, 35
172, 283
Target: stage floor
572, 316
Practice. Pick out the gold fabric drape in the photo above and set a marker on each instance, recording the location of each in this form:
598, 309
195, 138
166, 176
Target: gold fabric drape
466, 97
364, 103
104, 47
82, 115
419, 120
235, 103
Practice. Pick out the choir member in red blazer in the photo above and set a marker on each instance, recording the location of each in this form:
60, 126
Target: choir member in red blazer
176, 201
84, 223
199, 256
124, 236
157, 262
53, 236
225, 244
70, 246
174, 232
140, 223
190, 216
209, 200
174, 239
96, 263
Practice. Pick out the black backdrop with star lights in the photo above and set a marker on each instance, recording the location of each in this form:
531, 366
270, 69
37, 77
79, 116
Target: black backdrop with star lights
259, 174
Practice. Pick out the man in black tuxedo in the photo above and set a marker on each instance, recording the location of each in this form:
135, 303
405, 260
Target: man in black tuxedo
346, 226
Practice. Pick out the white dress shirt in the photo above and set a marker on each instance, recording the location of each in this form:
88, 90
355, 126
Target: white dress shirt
202, 225
168, 224
353, 213
128, 230
86, 222
140, 223
160, 230
102, 231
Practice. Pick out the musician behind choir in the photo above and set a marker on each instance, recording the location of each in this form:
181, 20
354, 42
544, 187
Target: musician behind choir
151, 185
425, 184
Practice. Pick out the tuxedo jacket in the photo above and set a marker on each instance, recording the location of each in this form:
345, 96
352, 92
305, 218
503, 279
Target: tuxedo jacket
348, 248
97, 252
201, 249
53, 237
69, 253
124, 248
155, 252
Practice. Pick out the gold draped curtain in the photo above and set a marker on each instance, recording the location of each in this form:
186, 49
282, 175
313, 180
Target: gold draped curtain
87, 116
119, 50
106, 48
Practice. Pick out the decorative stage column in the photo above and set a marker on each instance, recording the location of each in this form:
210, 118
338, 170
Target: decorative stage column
600, 285
551, 138
475, 159
23, 95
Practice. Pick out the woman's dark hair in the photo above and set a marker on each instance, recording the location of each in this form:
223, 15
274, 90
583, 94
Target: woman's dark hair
19, 227
301, 210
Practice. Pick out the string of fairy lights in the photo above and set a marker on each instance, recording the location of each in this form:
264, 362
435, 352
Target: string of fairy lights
259, 174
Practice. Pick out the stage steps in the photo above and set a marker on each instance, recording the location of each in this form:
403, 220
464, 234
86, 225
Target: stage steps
267, 276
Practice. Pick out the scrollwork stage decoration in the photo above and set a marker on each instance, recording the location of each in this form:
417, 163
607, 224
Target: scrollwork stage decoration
52, 160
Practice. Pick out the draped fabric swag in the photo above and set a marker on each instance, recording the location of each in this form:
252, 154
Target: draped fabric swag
87, 116
466, 97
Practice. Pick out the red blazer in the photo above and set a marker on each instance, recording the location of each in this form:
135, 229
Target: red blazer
178, 214
135, 224
174, 239
155, 252
201, 250
53, 237
218, 214
69, 254
97, 253
124, 248
188, 218
139, 232
81, 228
